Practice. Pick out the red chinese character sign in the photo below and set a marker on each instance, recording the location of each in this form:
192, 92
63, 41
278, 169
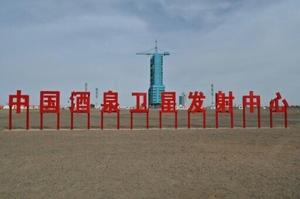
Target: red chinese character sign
110, 105
49, 103
197, 99
252, 102
80, 103
275, 107
141, 107
168, 105
18, 102
224, 104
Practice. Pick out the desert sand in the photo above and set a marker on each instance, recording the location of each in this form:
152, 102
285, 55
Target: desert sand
153, 163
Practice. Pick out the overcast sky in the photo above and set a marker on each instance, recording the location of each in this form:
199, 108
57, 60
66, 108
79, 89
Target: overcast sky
239, 45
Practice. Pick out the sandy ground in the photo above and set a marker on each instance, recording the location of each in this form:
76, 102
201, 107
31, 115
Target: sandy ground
168, 163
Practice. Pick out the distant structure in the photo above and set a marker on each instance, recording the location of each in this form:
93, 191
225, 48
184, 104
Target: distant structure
96, 95
156, 75
182, 100
212, 90
85, 86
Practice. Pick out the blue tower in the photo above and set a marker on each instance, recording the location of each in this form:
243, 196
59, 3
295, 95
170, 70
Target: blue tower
156, 76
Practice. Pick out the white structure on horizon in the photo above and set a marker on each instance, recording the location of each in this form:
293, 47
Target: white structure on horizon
182, 100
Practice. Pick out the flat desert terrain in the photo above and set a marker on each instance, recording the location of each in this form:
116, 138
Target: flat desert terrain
153, 163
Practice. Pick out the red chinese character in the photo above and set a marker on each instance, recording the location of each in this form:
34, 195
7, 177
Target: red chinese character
276, 108
196, 107
251, 101
18, 101
141, 107
224, 104
80, 103
110, 105
49, 103
168, 105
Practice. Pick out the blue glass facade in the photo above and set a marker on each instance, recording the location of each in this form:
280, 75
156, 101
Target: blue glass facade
156, 79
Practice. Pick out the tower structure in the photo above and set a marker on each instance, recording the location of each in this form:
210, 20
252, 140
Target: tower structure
85, 86
96, 95
212, 92
156, 75
182, 100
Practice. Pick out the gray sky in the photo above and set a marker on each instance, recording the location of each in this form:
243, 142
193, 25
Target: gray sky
238, 45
